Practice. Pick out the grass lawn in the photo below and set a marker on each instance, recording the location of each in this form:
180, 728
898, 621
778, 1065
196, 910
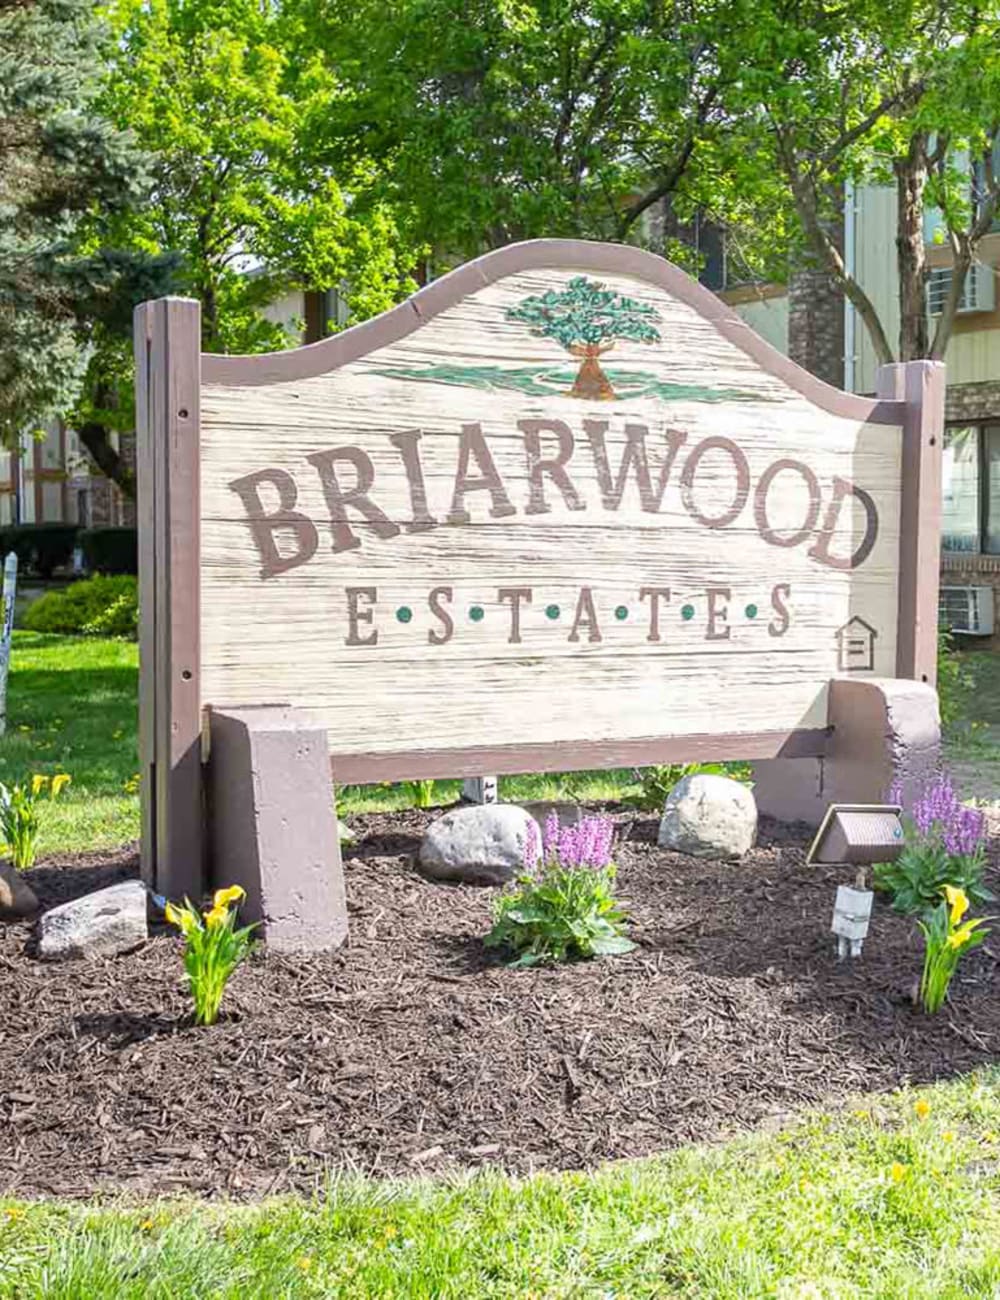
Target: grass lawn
879, 1201
71, 707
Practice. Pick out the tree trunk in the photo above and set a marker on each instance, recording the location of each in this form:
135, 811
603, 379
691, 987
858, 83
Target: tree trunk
97, 439
591, 382
911, 181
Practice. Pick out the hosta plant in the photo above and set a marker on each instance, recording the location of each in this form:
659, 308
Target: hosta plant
946, 938
213, 948
945, 845
564, 907
20, 815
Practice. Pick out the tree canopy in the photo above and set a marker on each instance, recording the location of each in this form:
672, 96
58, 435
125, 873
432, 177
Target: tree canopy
65, 173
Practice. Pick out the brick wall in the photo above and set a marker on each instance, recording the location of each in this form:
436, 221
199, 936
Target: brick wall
972, 401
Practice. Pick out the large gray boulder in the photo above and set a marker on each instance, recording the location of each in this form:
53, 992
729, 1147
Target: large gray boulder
709, 816
480, 845
101, 924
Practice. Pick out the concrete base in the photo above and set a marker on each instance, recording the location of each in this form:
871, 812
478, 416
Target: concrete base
884, 730
273, 825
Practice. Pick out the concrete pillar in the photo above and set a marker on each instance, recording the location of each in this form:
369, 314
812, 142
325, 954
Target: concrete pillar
883, 730
273, 825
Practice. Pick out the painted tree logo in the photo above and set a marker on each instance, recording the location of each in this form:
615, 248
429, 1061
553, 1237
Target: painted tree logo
587, 319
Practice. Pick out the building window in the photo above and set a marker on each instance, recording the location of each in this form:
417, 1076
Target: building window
970, 516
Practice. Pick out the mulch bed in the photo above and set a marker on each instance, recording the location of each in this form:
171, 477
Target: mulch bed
414, 1050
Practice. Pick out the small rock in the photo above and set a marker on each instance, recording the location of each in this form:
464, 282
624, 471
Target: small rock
709, 816
568, 813
102, 924
17, 898
481, 845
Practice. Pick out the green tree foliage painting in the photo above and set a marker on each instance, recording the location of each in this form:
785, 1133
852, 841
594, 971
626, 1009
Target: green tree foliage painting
587, 319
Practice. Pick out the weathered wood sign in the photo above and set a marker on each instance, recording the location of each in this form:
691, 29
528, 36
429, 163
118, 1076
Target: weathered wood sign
560, 509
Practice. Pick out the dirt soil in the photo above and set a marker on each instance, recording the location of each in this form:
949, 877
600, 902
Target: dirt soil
414, 1050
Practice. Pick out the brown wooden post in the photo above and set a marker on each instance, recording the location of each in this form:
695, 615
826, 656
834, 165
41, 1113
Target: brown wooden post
168, 384
920, 384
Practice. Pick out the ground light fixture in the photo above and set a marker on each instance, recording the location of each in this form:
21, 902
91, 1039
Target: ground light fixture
857, 835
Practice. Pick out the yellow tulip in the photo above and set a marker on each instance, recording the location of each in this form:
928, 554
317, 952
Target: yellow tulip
217, 916
58, 781
234, 894
38, 782
957, 901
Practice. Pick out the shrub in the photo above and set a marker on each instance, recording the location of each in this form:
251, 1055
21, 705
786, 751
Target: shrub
213, 948
569, 910
111, 550
955, 681
946, 938
944, 847
98, 606
19, 816
40, 548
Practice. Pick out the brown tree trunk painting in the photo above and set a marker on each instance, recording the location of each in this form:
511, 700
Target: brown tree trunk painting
591, 382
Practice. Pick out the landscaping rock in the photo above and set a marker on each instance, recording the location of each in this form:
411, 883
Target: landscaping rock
479, 845
17, 898
568, 813
709, 816
102, 924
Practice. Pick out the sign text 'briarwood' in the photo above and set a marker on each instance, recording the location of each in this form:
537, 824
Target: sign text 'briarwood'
347, 477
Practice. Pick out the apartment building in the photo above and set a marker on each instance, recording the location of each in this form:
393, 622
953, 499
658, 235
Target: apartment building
811, 322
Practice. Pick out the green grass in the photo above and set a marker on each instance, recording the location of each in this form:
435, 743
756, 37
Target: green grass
71, 707
875, 1202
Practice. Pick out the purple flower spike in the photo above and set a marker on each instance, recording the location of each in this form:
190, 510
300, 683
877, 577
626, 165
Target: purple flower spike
531, 846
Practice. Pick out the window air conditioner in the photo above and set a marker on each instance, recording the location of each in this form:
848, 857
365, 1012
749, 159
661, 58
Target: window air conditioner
968, 610
978, 292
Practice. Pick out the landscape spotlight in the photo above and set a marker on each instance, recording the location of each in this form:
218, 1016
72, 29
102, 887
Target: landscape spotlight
857, 835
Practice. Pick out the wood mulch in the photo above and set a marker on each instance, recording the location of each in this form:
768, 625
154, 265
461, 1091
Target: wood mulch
414, 1050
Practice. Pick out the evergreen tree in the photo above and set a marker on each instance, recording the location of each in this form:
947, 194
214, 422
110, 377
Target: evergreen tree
63, 172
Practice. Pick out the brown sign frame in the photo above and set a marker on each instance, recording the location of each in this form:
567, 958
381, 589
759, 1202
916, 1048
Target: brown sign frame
170, 372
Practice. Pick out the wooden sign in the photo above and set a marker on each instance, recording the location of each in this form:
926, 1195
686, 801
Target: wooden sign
561, 509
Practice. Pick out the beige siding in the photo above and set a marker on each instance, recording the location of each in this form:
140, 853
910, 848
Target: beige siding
875, 268
768, 317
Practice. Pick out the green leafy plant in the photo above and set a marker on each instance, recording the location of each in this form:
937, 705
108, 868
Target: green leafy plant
422, 793
944, 846
946, 938
955, 681
568, 909
213, 948
20, 815
98, 606
658, 781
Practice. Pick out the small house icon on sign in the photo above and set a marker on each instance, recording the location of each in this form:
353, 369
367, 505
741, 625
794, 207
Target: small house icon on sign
856, 646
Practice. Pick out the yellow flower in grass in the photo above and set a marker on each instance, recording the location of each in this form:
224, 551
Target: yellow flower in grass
38, 782
60, 780
922, 1107
898, 1171
958, 902
223, 897
948, 1136
13, 1212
